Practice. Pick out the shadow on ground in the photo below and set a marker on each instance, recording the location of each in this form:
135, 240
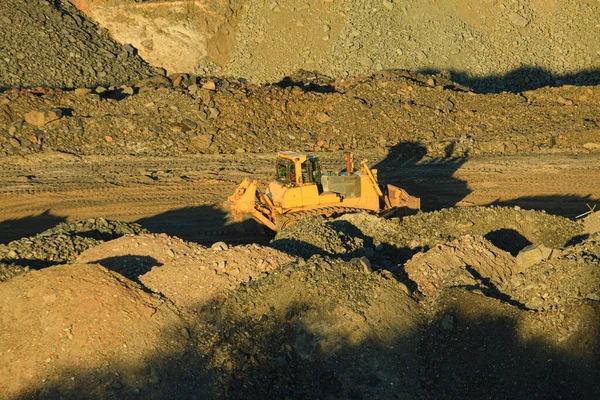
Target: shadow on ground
205, 225
436, 185
130, 266
522, 79
474, 348
568, 206
13, 229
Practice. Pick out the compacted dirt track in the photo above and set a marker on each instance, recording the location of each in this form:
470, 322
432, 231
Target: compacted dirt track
183, 195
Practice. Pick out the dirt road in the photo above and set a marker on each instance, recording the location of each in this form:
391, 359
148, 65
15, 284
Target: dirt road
182, 196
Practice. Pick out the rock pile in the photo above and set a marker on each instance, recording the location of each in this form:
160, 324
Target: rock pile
59, 245
52, 44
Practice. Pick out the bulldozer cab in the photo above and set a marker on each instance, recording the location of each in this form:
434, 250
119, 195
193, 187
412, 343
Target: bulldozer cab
298, 169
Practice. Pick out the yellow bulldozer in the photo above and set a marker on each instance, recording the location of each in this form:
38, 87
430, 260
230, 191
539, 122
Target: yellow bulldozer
301, 190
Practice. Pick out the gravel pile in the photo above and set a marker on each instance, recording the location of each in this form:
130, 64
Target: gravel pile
59, 245
510, 229
52, 44
320, 328
466, 262
317, 236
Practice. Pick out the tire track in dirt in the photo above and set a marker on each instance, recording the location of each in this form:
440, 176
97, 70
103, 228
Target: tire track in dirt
183, 196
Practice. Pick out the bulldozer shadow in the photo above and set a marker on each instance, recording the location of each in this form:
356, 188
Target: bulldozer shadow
205, 224
431, 179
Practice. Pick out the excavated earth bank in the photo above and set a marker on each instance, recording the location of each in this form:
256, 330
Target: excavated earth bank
354, 307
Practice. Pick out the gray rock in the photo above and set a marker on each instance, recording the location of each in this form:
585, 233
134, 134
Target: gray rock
532, 255
218, 246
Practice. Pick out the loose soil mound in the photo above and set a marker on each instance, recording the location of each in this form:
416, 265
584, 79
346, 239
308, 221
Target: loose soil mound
390, 243
315, 235
188, 274
79, 329
479, 347
556, 284
468, 262
254, 322
510, 229
52, 44
320, 328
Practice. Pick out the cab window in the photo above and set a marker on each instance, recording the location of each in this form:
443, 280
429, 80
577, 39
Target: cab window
285, 171
305, 174
316, 171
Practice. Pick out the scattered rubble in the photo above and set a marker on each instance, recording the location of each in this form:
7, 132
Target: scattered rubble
386, 111
59, 245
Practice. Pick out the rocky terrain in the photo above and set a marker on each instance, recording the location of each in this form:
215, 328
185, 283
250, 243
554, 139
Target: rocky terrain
187, 114
122, 276
52, 44
489, 45
345, 312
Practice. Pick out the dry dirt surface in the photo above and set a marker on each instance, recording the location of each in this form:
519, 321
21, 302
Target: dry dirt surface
407, 112
155, 316
122, 275
183, 196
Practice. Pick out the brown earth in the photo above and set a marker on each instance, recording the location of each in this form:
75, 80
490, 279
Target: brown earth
187, 114
262, 325
122, 276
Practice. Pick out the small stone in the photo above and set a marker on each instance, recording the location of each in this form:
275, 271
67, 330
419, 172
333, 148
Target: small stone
109, 139
431, 82
365, 264
565, 102
219, 246
518, 20
82, 91
366, 62
193, 89
448, 322
210, 85
214, 112
127, 90
388, 4
532, 255
204, 95
100, 89
323, 118
148, 44
43, 116
177, 80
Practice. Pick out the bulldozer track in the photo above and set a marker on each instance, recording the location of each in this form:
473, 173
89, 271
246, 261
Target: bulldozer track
183, 196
